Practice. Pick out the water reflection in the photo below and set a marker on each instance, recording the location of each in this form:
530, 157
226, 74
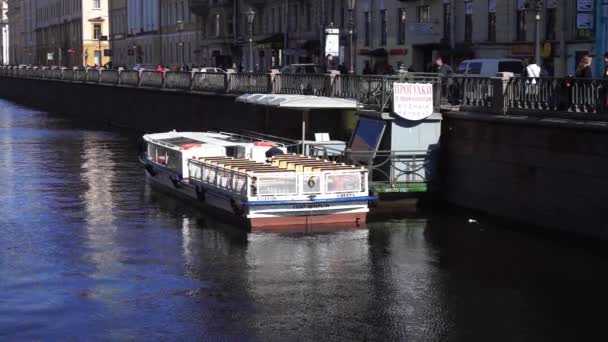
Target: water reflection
89, 251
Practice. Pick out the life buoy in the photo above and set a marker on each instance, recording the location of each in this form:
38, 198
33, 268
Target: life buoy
311, 182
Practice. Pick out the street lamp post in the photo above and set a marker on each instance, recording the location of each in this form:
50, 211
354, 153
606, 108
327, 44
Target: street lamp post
180, 28
351, 27
250, 17
134, 55
537, 8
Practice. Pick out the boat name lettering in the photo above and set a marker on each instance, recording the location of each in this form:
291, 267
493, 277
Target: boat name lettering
311, 205
345, 195
267, 198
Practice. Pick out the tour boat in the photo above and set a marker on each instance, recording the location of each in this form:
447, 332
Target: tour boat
256, 181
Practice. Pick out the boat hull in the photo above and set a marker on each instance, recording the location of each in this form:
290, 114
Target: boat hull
260, 218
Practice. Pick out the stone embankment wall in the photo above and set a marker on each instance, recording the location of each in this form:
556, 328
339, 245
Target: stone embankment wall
545, 172
153, 109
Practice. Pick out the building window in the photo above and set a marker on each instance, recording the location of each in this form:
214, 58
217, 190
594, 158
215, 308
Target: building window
97, 31
423, 14
217, 25
402, 16
521, 25
96, 3
229, 25
491, 20
308, 16
368, 24
468, 21
383, 27
342, 9
550, 21
294, 26
447, 22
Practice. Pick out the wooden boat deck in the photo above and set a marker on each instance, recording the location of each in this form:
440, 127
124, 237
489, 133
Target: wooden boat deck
279, 163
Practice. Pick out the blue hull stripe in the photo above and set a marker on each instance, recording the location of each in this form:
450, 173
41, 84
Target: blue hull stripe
325, 200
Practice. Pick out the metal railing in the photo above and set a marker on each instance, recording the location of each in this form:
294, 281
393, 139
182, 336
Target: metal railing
249, 83
302, 84
372, 92
209, 82
129, 78
109, 77
151, 79
551, 96
177, 80
387, 170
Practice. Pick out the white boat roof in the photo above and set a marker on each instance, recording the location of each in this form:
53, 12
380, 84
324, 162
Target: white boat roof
177, 139
297, 101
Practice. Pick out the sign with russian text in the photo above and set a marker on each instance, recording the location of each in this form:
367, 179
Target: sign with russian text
584, 5
413, 101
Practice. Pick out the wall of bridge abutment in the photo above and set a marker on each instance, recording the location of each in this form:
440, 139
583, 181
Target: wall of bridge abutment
542, 172
152, 109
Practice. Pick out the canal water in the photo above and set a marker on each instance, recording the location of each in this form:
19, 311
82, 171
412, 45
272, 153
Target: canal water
89, 251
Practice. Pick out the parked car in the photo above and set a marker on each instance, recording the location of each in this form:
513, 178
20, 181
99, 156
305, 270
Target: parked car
489, 67
213, 70
146, 67
303, 69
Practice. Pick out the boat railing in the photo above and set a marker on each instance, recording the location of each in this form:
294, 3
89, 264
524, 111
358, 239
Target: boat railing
266, 184
220, 177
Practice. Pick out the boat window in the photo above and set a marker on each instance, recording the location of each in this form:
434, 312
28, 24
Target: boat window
173, 159
347, 182
151, 153
235, 151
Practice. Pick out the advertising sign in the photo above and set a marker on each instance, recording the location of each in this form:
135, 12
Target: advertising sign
584, 21
332, 42
584, 5
413, 101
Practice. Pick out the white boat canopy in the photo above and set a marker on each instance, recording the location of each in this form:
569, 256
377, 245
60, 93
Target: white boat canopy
298, 102
301, 102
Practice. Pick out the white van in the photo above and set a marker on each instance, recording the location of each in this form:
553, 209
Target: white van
490, 66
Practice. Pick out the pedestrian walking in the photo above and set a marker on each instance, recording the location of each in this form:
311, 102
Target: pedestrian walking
583, 69
447, 82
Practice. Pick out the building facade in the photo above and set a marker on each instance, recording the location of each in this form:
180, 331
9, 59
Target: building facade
71, 33
4, 41
21, 38
506, 28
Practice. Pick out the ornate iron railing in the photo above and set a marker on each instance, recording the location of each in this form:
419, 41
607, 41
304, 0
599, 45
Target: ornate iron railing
178, 80
129, 78
109, 77
302, 84
550, 96
372, 92
249, 83
151, 79
92, 75
211, 82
